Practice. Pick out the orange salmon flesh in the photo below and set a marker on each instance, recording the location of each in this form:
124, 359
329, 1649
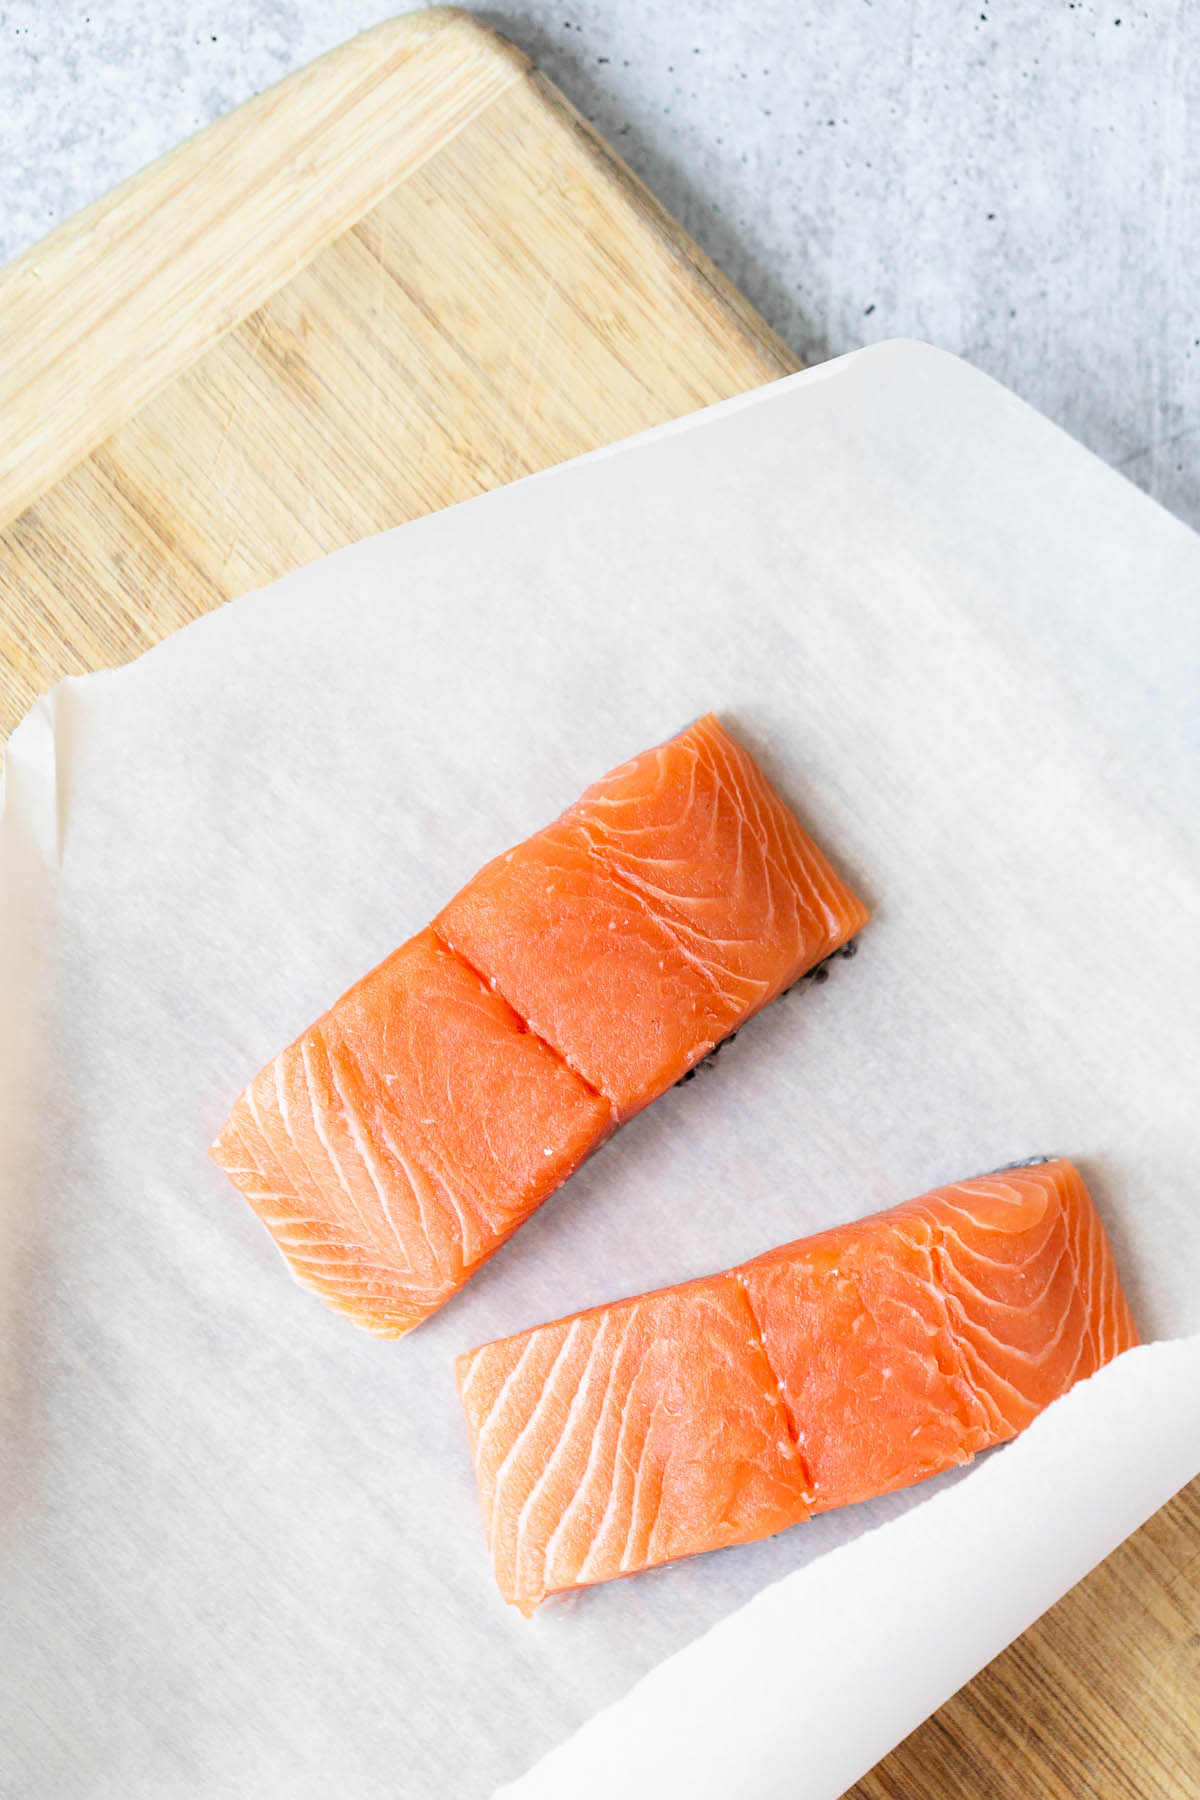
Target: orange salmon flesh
829, 1371
400, 1140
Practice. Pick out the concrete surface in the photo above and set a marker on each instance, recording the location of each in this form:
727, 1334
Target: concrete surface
1015, 180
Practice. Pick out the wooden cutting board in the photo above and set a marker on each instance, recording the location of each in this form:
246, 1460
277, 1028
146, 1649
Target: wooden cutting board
409, 273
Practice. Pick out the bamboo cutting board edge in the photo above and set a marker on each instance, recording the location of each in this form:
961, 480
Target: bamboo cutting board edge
212, 293
88, 293
141, 262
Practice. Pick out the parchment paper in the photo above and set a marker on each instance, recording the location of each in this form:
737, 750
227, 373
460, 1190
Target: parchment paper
243, 1556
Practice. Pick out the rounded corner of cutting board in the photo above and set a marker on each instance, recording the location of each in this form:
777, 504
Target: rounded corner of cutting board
452, 24
126, 290
238, 279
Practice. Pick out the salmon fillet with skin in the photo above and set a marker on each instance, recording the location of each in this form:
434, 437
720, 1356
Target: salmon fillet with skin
401, 1139
828, 1371
661, 911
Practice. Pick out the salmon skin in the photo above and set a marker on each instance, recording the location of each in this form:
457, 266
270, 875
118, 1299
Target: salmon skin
831, 1370
400, 1140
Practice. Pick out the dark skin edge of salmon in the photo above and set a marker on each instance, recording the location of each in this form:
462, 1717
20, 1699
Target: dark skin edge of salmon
817, 974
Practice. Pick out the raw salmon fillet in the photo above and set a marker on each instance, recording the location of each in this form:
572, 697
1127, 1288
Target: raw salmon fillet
402, 1138
405, 1135
670, 903
833, 1369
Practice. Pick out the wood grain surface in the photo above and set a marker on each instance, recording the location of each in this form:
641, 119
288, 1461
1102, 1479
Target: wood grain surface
243, 358
407, 274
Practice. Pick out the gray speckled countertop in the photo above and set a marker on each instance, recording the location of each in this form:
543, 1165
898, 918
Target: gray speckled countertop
1015, 180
